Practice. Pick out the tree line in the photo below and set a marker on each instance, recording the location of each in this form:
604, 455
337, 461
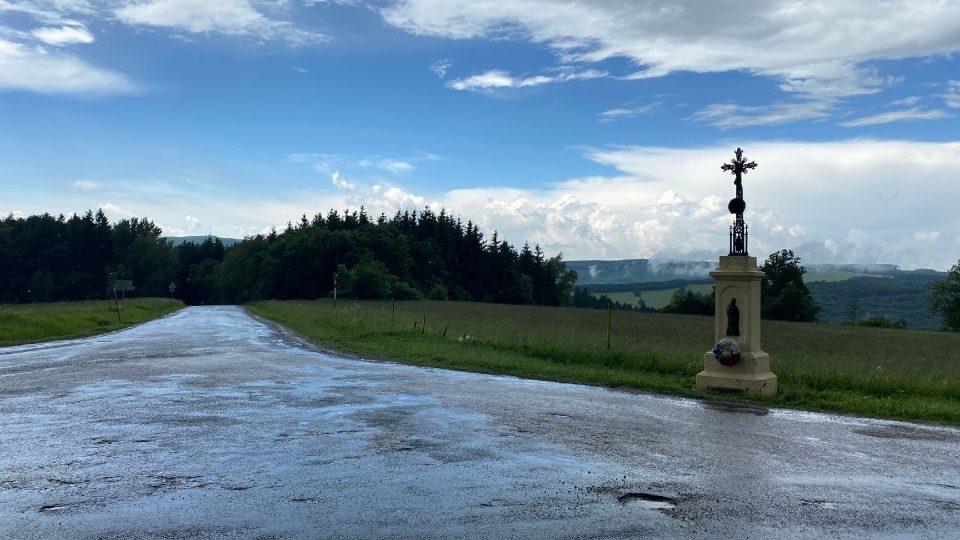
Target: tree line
409, 256
46, 258
412, 255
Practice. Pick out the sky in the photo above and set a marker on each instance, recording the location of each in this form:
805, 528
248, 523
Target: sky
593, 128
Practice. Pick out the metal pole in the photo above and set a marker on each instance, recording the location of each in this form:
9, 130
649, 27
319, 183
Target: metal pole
116, 303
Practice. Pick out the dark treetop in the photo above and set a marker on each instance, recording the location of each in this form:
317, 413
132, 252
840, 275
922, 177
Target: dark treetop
738, 231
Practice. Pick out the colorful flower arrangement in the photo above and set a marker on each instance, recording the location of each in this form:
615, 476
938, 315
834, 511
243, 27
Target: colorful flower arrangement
727, 351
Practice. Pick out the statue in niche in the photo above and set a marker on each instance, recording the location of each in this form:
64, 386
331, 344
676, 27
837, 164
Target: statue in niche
733, 318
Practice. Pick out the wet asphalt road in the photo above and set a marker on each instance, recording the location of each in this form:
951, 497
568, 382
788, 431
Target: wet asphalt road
212, 423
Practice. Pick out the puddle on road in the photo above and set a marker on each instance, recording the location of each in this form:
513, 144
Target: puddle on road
908, 432
737, 407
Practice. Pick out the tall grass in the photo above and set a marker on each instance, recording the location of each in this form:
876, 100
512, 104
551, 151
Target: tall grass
29, 323
870, 371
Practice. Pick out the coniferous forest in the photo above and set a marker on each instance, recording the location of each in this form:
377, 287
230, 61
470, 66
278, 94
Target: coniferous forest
412, 255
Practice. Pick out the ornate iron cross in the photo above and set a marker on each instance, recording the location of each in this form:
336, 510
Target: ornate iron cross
738, 166
738, 231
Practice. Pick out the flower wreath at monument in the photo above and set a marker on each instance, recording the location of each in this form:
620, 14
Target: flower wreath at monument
727, 351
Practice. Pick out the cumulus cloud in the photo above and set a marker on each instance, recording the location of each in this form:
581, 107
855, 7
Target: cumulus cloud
859, 201
192, 224
115, 212
807, 47
915, 113
340, 183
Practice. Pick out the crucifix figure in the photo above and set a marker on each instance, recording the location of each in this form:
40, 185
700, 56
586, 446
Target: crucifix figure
738, 231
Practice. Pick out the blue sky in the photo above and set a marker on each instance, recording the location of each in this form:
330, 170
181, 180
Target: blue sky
593, 128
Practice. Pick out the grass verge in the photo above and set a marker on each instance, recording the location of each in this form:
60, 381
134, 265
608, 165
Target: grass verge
899, 374
31, 323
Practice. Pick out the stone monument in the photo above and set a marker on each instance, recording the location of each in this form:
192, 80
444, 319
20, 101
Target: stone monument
737, 362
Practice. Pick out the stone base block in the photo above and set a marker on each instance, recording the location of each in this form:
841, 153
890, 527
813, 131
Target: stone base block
751, 375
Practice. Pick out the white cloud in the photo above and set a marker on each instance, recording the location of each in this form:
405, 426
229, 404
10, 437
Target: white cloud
86, 185
926, 236
329, 163
490, 79
915, 113
53, 72
340, 183
854, 201
858, 201
806, 46
952, 97
230, 17
192, 224
496, 78
64, 35
632, 112
115, 212
440, 67
728, 115
395, 166
905, 102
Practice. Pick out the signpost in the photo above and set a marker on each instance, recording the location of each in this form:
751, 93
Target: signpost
121, 286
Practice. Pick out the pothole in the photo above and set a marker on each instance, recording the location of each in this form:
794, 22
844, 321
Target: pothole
51, 508
648, 500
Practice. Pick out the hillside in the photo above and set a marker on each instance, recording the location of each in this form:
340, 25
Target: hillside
845, 292
593, 272
897, 295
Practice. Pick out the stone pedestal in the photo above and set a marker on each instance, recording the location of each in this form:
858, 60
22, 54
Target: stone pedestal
739, 278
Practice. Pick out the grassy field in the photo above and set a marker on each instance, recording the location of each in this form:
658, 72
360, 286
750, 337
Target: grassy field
877, 372
30, 323
655, 299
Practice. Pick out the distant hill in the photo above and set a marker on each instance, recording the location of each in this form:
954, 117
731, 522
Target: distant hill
177, 240
843, 291
895, 295
595, 272
638, 271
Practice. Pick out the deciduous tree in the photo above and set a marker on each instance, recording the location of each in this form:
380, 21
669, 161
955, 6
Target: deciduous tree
785, 297
945, 298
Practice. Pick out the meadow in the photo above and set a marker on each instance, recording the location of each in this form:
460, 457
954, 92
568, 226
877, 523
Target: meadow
658, 298
30, 323
900, 374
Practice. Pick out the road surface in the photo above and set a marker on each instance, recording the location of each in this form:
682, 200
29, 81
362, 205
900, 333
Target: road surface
212, 423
